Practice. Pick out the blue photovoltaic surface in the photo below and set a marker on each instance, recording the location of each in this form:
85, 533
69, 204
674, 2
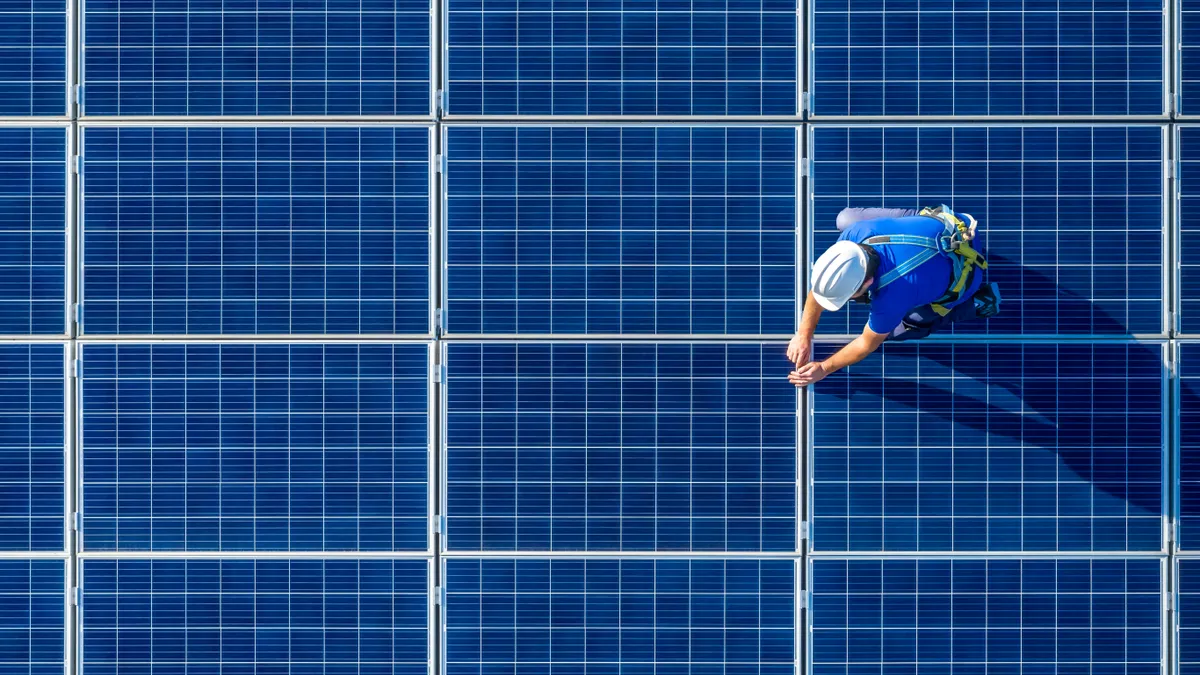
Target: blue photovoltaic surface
987, 616
32, 609
621, 57
607, 447
33, 57
1188, 62
253, 616
1188, 612
1071, 218
255, 447
256, 57
256, 230
621, 230
988, 57
689, 617
1188, 367
1000, 447
33, 224
32, 450
1188, 205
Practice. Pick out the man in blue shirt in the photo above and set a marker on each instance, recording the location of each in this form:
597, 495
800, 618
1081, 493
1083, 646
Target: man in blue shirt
916, 270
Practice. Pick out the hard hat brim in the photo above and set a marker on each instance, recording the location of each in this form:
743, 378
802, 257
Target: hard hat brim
827, 303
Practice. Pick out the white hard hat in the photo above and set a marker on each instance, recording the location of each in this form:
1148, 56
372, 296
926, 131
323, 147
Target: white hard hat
838, 274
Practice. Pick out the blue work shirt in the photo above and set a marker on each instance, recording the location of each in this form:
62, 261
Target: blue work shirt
919, 287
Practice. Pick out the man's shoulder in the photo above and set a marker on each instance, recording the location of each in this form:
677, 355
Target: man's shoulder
866, 229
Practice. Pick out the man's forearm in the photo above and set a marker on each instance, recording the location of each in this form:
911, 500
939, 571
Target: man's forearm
809, 318
858, 349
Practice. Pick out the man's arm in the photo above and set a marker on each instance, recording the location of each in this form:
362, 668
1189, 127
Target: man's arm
858, 349
809, 318
800, 349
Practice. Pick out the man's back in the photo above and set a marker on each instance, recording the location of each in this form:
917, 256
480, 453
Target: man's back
916, 289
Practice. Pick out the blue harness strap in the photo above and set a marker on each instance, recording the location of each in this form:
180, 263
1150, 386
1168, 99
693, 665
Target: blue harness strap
950, 244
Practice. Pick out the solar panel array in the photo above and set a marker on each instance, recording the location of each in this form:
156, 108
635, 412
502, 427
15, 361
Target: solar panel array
610, 447
1073, 215
992, 447
292, 230
566, 57
988, 57
270, 447
234, 57
620, 230
415, 337
690, 616
187, 615
988, 614
1187, 599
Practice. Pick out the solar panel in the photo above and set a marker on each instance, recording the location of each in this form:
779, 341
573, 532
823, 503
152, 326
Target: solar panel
991, 447
1071, 218
1187, 612
987, 616
270, 230
256, 57
1186, 40
302, 447
247, 616
610, 57
1188, 400
619, 447
32, 621
987, 57
33, 226
621, 230
1187, 201
33, 58
32, 447
624, 615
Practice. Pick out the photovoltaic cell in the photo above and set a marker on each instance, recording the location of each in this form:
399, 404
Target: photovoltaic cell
1188, 63
1188, 221
1188, 366
309, 616
302, 447
987, 57
991, 447
621, 57
1071, 219
621, 230
32, 608
1187, 611
987, 616
274, 230
256, 57
33, 58
610, 447
32, 448
625, 615
33, 224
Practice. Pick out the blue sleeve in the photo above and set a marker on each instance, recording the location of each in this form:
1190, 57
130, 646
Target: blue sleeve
887, 314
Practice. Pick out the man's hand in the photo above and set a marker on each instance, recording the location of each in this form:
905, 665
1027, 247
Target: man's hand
799, 350
809, 373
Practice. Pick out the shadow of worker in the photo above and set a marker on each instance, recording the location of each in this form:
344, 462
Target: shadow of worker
1071, 432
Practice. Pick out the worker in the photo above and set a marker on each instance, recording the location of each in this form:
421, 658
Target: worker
916, 270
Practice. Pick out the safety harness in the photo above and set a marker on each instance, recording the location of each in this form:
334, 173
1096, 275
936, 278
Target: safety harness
952, 244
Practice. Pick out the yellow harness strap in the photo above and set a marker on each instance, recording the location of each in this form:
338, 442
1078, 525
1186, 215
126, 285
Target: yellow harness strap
965, 258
